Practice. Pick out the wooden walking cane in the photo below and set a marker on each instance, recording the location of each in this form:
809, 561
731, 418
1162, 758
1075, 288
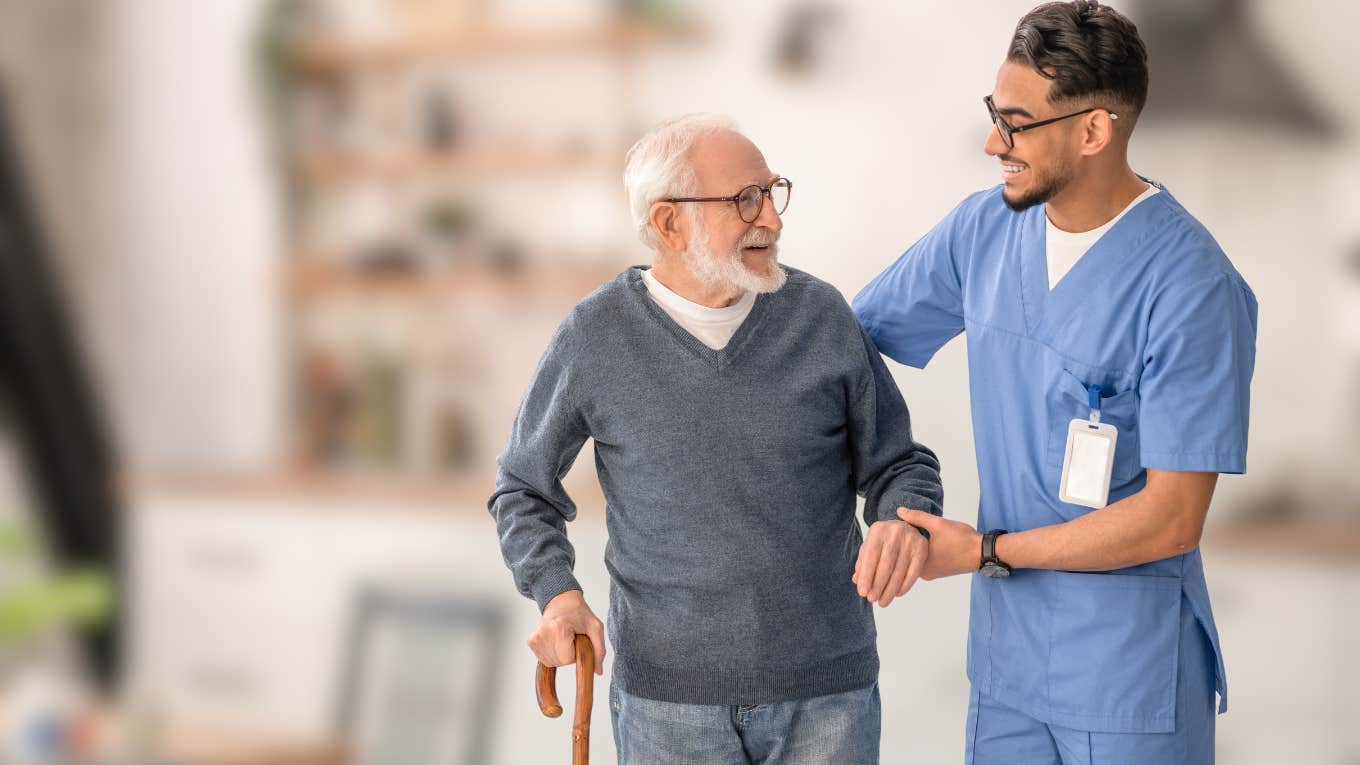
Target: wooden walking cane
545, 686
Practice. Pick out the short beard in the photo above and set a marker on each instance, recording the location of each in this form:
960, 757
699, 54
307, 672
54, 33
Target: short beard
729, 272
1046, 186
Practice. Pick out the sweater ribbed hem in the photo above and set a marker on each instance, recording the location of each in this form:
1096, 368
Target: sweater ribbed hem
887, 507
680, 685
550, 585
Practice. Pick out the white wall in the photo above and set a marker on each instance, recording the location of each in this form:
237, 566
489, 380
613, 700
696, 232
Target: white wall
187, 213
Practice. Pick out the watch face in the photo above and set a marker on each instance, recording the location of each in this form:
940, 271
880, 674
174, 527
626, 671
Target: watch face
994, 571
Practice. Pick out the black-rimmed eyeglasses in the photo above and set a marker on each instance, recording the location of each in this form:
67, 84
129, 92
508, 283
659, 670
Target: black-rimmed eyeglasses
1008, 130
751, 200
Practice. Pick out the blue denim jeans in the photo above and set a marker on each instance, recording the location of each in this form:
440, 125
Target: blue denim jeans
839, 729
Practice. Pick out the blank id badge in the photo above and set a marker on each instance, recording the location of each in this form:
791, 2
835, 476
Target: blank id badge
1088, 462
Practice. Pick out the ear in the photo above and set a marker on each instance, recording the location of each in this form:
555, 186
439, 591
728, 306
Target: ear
1099, 130
670, 226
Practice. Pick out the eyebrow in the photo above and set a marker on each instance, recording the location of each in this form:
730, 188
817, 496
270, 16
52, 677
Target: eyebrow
1011, 111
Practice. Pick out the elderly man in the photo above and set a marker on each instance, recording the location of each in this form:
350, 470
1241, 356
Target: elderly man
737, 408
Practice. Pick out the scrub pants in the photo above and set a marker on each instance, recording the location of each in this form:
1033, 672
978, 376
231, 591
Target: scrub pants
999, 734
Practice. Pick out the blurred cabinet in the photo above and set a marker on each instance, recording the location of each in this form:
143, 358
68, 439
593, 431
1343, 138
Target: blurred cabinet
239, 610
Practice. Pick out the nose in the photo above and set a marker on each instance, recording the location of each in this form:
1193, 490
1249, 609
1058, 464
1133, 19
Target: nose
768, 218
994, 146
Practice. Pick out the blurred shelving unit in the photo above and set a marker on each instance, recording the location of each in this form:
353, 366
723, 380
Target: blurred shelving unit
331, 54
413, 135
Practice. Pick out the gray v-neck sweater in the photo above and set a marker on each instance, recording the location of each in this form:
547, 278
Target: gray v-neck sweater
730, 479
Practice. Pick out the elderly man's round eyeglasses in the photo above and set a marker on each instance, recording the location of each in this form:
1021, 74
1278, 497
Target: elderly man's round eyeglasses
1008, 130
751, 199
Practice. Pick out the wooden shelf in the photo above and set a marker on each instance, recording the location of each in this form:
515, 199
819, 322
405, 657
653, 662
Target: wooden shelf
321, 489
197, 743
329, 55
332, 167
312, 486
310, 279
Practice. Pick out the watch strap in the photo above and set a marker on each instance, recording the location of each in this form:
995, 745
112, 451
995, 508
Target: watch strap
989, 546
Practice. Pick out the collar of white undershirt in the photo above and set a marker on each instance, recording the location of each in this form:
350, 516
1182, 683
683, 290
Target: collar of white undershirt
696, 311
1097, 233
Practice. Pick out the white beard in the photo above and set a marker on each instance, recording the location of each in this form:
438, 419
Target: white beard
728, 271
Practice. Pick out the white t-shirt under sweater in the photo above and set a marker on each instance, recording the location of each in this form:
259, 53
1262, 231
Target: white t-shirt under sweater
1066, 248
713, 327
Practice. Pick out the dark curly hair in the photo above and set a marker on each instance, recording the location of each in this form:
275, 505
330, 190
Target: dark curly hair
1090, 52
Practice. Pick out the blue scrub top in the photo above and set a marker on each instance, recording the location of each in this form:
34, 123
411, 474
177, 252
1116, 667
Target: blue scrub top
1156, 315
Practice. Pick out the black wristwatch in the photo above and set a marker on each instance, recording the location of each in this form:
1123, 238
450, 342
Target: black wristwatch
992, 565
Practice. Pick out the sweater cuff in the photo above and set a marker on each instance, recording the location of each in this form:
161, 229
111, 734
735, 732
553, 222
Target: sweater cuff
887, 506
552, 584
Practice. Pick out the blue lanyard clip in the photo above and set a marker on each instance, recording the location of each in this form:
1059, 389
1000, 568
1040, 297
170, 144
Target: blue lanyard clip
1094, 393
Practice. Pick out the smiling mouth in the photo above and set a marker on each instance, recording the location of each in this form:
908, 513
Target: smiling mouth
1010, 170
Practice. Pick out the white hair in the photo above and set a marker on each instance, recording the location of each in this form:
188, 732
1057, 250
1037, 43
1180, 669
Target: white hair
659, 166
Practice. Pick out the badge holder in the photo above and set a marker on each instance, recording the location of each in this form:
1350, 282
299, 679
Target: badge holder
1088, 460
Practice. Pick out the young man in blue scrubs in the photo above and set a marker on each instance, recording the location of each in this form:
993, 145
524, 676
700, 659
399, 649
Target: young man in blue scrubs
1110, 345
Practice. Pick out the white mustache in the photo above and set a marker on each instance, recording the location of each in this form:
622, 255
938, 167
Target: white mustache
758, 238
